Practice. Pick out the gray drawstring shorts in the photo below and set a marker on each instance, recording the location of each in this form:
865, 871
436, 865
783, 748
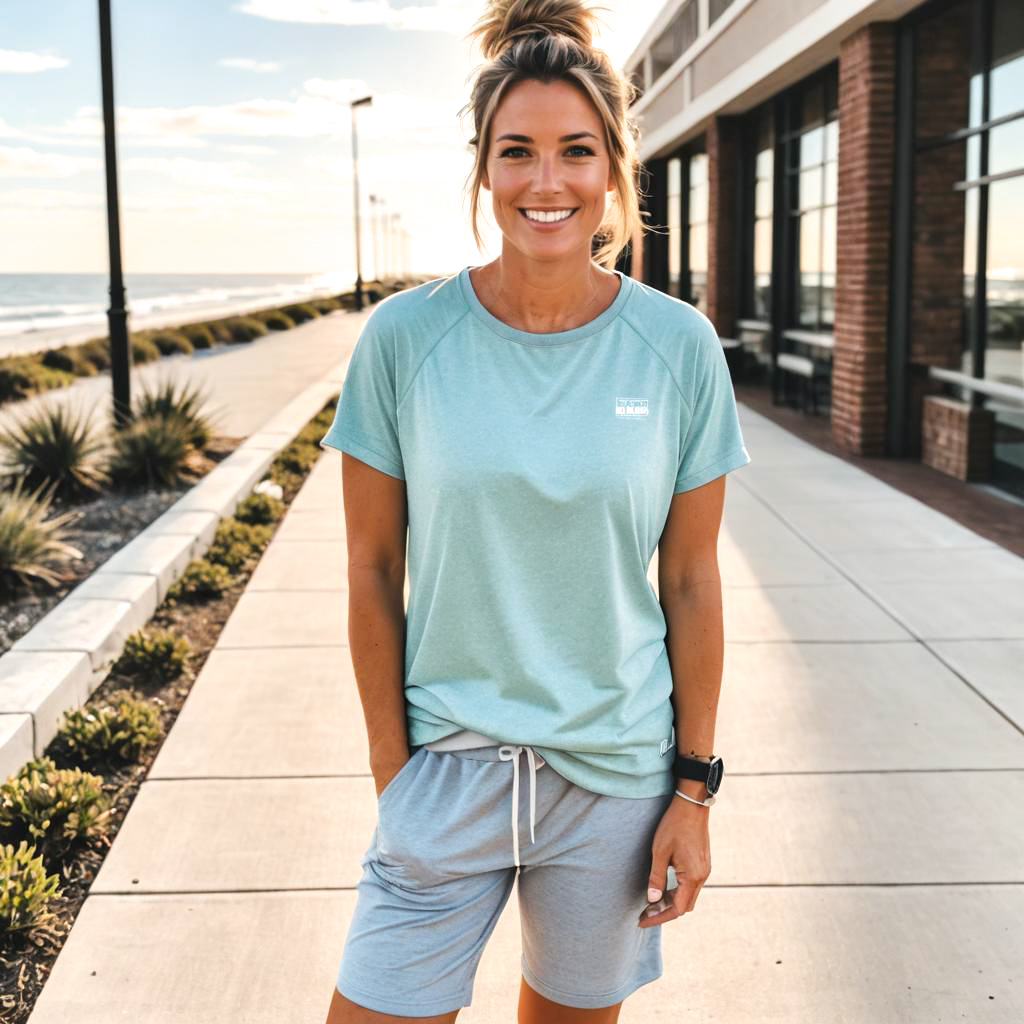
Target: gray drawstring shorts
448, 846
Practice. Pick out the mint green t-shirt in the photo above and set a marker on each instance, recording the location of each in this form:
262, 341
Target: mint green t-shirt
539, 469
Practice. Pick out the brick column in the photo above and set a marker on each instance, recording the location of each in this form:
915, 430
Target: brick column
723, 149
866, 122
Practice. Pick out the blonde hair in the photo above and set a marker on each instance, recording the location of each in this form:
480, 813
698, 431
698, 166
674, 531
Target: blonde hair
551, 40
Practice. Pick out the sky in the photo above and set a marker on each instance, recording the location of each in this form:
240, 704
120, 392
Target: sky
234, 132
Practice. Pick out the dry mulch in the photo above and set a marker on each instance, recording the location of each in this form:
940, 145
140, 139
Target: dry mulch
26, 961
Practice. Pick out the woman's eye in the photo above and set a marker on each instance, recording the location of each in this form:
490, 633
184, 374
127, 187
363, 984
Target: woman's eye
584, 150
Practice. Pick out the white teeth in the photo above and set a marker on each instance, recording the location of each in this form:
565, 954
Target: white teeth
548, 216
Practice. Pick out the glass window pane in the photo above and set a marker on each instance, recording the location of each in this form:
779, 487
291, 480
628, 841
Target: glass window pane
812, 145
675, 236
810, 243
762, 247
763, 199
698, 169
699, 248
1006, 84
832, 140
699, 204
1004, 285
970, 263
810, 189
674, 176
831, 182
1006, 148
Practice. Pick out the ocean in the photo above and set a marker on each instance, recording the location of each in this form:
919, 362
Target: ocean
40, 311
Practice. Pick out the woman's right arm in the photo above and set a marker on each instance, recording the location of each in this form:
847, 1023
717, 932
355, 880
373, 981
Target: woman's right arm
376, 518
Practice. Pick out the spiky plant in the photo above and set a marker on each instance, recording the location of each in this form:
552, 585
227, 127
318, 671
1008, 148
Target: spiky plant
166, 402
152, 452
32, 547
54, 445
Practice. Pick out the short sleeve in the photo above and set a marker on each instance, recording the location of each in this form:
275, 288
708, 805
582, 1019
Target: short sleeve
366, 418
711, 442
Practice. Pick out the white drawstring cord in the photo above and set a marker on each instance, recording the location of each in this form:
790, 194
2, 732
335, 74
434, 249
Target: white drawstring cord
511, 752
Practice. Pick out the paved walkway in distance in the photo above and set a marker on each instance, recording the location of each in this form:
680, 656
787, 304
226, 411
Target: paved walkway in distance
866, 845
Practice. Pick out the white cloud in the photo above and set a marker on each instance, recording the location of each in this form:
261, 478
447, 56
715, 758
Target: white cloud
22, 162
443, 16
248, 64
247, 150
49, 199
23, 62
203, 173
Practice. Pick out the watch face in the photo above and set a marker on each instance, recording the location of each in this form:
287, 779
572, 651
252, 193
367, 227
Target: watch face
715, 775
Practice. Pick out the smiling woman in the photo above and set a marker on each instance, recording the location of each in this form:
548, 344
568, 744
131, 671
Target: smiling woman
523, 433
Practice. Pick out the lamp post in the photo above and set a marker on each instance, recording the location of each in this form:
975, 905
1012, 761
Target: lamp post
117, 315
395, 241
373, 235
363, 101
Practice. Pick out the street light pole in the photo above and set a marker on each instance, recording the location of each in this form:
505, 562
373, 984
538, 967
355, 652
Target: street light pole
373, 235
365, 100
117, 315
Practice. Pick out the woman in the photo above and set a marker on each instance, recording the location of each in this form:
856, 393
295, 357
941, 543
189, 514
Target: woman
539, 424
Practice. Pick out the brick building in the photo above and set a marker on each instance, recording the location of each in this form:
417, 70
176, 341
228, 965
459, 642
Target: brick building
827, 180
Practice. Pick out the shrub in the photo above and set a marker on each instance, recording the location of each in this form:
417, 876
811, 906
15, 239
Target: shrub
156, 656
326, 305
120, 729
201, 581
70, 360
298, 457
97, 352
221, 331
22, 376
32, 547
172, 342
53, 806
151, 451
301, 311
26, 889
259, 509
246, 328
276, 320
165, 402
199, 335
53, 445
236, 543
143, 349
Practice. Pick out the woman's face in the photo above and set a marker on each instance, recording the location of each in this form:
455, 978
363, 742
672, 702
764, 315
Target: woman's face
533, 165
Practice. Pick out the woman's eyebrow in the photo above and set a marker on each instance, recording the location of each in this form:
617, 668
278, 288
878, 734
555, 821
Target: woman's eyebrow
564, 138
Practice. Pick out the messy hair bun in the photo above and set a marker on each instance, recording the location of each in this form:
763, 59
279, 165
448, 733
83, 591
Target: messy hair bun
504, 22
553, 40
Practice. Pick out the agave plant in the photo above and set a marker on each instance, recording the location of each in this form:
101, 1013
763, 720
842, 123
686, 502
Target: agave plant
54, 445
152, 451
166, 402
32, 546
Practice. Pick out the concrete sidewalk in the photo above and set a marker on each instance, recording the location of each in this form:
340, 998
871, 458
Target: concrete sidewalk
866, 846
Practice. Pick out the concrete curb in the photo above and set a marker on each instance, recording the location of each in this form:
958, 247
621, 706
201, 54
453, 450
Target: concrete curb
61, 661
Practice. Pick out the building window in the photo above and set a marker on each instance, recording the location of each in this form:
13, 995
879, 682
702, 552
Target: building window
697, 231
967, 302
759, 207
716, 8
680, 34
812, 152
675, 227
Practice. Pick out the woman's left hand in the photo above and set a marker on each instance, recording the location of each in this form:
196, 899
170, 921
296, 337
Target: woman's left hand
681, 840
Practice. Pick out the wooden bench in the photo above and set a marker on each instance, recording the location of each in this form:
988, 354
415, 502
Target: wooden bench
809, 371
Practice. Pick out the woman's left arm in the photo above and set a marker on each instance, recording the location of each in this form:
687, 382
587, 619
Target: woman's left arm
690, 591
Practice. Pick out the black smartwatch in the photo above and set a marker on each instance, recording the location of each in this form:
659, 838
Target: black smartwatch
700, 771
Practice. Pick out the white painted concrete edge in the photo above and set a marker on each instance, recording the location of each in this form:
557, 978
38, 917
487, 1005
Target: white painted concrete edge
65, 656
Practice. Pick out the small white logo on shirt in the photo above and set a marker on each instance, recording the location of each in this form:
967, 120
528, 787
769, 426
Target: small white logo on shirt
630, 407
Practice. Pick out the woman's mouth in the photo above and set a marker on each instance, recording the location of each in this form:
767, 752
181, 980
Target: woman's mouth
553, 219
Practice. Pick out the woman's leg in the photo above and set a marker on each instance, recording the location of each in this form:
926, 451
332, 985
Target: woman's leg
344, 1011
536, 1009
